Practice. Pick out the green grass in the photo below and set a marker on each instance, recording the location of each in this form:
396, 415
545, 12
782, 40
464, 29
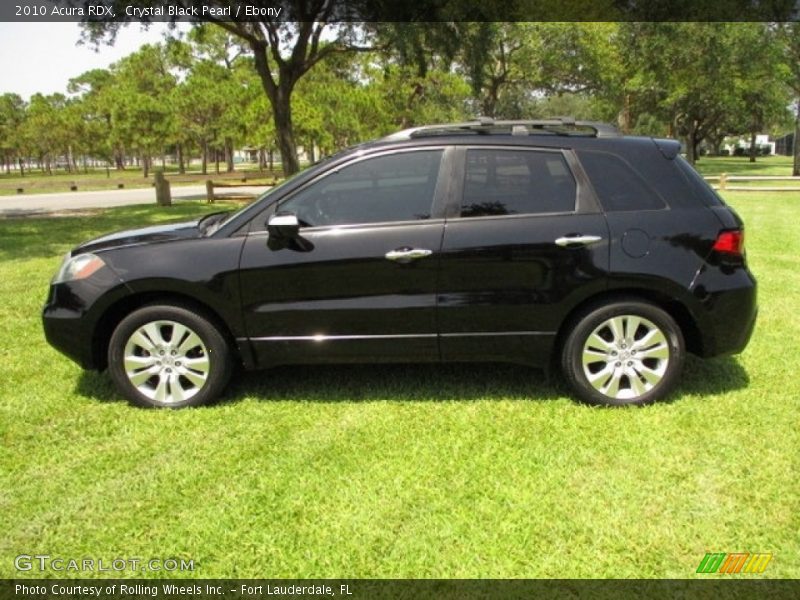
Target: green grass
741, 165
401, 471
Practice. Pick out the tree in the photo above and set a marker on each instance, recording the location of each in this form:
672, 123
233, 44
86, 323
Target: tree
46, 130
758, 79
789, 36
685, 73
283, 50
141, 113
92, 108
12, 117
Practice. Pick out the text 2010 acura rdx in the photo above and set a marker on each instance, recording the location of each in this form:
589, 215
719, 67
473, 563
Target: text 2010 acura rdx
535, 242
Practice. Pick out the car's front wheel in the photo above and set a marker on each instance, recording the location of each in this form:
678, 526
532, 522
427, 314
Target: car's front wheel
168, 356
625, 352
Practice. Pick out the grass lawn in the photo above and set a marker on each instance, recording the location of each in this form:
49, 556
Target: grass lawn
401, 471
60, 181
741, 165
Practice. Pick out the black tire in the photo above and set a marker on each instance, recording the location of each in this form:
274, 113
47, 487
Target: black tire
190, 373
612, 360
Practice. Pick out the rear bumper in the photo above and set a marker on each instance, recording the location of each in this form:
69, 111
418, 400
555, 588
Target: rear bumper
730, 314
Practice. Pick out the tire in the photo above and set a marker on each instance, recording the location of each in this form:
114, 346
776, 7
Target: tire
627, 352
151, 369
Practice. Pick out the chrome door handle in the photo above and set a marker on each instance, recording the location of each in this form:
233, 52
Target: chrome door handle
404, 255
577, 240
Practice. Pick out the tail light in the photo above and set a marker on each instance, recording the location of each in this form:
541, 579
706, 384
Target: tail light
730, 242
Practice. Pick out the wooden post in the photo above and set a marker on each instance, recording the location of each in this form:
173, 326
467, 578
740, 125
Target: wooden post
723, 181
209, 191
163, 194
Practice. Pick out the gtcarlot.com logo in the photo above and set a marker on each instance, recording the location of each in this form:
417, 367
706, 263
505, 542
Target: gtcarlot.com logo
45, 562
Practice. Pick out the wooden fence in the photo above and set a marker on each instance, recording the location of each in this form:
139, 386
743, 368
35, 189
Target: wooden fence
723, 183
211, 197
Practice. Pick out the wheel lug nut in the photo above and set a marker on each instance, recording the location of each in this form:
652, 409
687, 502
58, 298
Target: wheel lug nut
178, 363
630, 364
619, 364
613, 353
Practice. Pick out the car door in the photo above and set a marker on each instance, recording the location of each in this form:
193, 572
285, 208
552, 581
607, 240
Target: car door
359, 282
524, 243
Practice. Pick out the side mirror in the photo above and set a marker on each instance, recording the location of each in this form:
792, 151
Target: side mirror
283, 225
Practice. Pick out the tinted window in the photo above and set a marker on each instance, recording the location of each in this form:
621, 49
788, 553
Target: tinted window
396, 187
510, 182
617, 185
699, 185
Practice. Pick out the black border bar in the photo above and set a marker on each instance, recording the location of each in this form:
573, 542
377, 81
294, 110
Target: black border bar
712, 588
399, 10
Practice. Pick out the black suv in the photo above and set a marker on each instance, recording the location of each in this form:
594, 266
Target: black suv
535, 242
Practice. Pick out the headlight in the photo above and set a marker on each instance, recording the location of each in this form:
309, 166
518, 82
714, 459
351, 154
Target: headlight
78, 267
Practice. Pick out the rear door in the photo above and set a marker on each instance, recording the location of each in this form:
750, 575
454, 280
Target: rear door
524, 243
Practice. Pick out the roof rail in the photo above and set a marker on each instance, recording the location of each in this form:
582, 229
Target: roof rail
567, 126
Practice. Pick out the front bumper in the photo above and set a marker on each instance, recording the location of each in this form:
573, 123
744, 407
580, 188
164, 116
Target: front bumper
72, 316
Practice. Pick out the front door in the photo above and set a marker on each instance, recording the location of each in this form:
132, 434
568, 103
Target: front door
359, 283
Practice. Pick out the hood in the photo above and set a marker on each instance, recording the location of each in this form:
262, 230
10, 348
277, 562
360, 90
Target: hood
145, 235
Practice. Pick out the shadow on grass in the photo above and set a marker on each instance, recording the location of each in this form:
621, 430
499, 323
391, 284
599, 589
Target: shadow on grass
423, 383
711, 376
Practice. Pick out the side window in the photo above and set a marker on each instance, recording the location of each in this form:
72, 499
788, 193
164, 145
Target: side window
618, 186
395, 187
512, 182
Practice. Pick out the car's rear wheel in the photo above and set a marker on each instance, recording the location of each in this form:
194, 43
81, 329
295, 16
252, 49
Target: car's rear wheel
168, 356
625, 352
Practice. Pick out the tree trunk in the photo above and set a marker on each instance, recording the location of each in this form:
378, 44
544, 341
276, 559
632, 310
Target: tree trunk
262, 159
280, 95
690, 148
205, 157
119, 161
626, 115
271, 161
752, 146
21, 167
796, 143
283, 123
145, 166
8, 164
216, 160
311, 154
229, 155
181, 165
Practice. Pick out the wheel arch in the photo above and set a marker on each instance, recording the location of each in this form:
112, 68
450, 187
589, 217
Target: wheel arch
674, 308
115, 313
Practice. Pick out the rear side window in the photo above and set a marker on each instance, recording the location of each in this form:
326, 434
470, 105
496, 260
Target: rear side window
618, 186
699, 185
514, 182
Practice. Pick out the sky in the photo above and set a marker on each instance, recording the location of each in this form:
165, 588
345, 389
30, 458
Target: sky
43, 57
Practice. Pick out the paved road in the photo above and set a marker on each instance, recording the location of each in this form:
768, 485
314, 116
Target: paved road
33, 204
